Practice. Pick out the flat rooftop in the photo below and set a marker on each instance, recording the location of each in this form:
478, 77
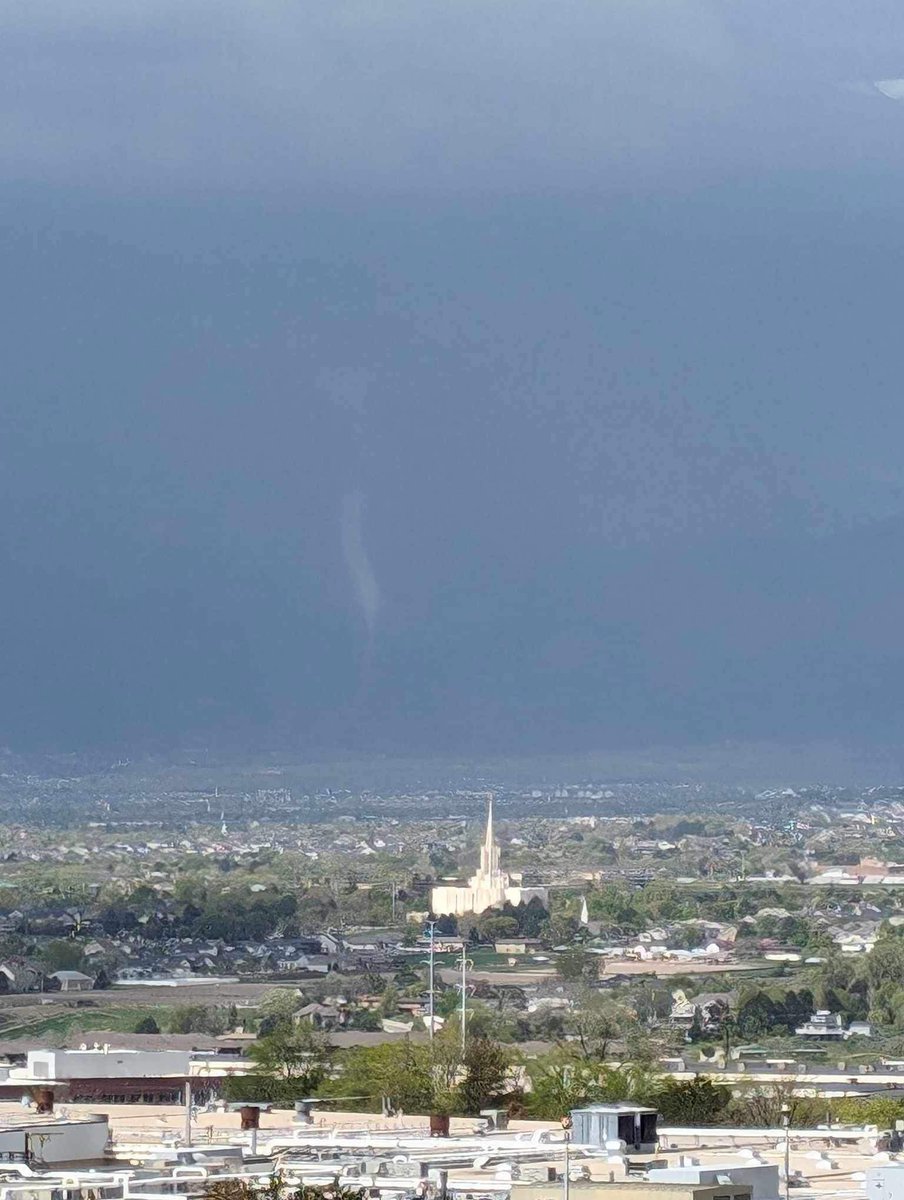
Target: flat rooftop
20, 1118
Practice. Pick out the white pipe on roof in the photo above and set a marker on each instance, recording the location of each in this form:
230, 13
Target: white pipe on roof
864, 1131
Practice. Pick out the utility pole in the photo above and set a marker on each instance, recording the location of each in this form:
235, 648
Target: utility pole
187, 1100
431, 929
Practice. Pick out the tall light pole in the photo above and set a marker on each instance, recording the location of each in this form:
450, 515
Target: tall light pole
431, 929
465, 962
566, 1174
786, 1122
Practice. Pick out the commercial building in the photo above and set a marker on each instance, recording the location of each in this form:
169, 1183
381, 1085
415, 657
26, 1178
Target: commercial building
52, 1142
627, 1189
108, 1075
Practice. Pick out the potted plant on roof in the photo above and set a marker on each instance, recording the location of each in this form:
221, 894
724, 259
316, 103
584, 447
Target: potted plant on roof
445, 1071
442, 1105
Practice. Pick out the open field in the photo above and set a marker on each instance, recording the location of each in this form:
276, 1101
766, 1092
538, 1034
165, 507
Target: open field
141, 995
524, 976
512, 977
120, 1009
666, 968
36, 1023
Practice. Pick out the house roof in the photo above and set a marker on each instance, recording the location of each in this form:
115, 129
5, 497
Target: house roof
200, 1042
727, 998
320, 1010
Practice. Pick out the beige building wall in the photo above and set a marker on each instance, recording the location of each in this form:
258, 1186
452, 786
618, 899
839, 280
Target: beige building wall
639, 1189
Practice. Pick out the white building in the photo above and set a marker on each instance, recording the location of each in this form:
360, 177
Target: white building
822, 1024
53, 1141
762, 1178
102, 1063
490, 887
885, 1182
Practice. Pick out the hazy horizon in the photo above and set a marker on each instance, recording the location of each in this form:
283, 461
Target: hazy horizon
456, 379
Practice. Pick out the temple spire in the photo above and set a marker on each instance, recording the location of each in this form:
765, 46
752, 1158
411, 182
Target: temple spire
489, 851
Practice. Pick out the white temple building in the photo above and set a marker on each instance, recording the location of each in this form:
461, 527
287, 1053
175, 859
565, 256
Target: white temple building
490, 887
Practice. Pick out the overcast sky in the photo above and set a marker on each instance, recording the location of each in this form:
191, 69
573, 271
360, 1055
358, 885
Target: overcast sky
451, 375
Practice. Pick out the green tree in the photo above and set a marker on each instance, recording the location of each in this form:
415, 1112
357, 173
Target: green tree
575, 964
561, 1081
764, 1107
298, 1054
558, 930
694, 1101
365, 1020
597, 1022
559, 1084
881, 1111
147, 1025
757, 1013
886, 962
487, 1075
62, 956
617, 908
399, 1071
196, 1018
492, 927
389, 1003
279, 1004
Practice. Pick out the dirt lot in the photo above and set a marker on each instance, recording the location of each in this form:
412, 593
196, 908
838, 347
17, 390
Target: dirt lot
139, 995
633, 967
56, 1013
608, 968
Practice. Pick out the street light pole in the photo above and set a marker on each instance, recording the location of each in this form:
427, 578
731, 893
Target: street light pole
464, 999
786, 1121
431, 926
566, 1174
465, 963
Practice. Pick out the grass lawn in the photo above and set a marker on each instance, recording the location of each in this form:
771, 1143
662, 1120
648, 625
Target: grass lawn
122, 1020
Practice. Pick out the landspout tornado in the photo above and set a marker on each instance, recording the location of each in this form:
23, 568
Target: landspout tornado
364, 581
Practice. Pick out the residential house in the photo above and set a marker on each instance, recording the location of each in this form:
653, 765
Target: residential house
709, 1008
18, 975
855, 939
823, 1024
322, 1016
70, 981
525, 945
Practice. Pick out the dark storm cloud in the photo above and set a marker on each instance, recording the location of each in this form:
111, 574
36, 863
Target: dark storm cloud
443, 96
451, 375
